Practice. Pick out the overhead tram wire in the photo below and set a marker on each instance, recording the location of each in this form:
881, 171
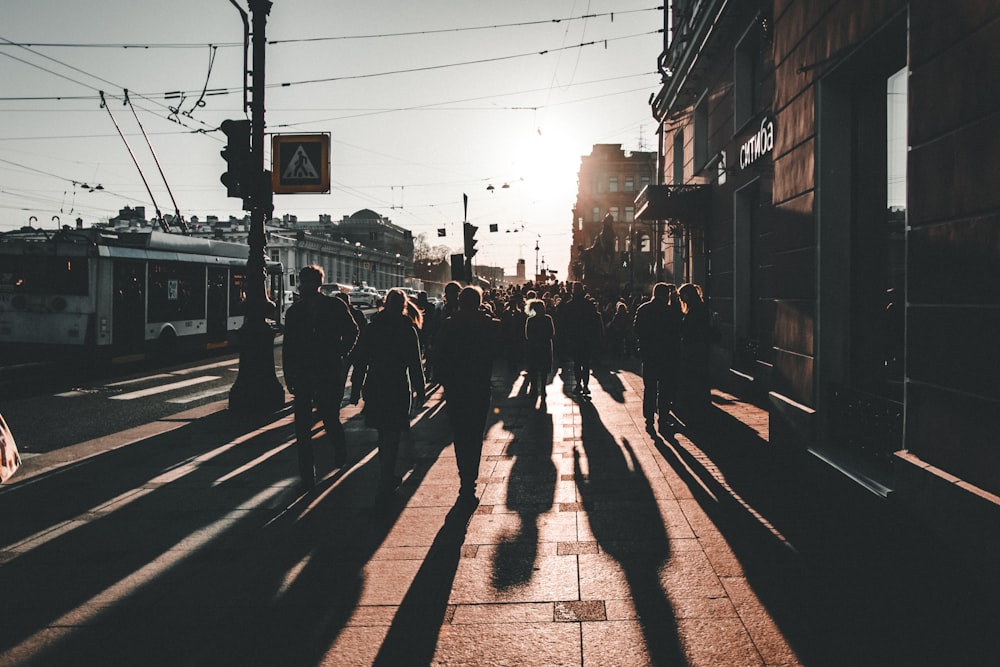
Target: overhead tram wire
187, 45
350, 77
439, 31
432, 106
480, 61
93, 76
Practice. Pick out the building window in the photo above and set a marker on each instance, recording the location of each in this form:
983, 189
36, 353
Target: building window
579, 224
629, 184
746, 59
701, 133
629, 214
643, 181
614, 212
746, 264
861, 130
613, 184
596, 217
678, 157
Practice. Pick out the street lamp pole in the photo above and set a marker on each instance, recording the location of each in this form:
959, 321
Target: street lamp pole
256, 389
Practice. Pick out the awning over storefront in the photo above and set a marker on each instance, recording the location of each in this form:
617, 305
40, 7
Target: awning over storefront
685, 203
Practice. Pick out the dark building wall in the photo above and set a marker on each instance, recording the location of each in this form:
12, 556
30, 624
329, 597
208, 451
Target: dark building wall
952, 360
953, 315
878, 315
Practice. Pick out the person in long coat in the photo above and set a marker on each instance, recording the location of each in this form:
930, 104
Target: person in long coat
388, 374
539, 331
319, 335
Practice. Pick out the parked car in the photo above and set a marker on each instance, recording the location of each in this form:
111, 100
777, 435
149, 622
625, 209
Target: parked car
364, 297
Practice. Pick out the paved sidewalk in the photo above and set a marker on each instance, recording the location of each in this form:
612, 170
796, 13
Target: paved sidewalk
594, 544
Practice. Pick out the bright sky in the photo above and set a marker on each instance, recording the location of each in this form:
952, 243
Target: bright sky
464, 100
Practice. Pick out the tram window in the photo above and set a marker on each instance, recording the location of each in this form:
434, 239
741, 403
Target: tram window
48, 275
176, 291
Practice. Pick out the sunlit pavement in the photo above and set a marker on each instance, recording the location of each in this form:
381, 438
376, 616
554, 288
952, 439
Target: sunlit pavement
594, 543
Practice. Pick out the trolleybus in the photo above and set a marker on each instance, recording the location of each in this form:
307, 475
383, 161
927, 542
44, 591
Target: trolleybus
121, 295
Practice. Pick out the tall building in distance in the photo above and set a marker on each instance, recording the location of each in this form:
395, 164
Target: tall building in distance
609, 180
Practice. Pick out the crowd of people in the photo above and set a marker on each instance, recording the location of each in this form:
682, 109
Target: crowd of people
410, 343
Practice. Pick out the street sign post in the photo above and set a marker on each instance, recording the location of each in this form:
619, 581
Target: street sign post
300, 163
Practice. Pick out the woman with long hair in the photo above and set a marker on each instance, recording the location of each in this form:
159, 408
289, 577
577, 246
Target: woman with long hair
388, 374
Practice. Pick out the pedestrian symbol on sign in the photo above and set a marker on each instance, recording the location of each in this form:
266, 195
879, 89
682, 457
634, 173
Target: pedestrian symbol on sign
300, 163
300, 167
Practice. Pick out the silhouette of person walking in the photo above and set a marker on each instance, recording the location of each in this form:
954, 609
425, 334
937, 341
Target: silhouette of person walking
538, 333
658, 328
319, 333
466, 345
696, 331
388, 372
583, 332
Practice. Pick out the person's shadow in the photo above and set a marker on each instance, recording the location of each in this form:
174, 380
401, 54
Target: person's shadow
530, 491
412, 637
610, 382
626, 522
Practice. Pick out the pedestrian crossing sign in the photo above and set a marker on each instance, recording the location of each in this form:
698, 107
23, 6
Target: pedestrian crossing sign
300, 163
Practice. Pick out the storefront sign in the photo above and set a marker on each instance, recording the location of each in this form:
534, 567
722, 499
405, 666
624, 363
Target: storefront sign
759, 144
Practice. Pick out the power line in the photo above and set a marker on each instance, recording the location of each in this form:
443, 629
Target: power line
93, 76
349, 77
480, 61
439, 31
411, 33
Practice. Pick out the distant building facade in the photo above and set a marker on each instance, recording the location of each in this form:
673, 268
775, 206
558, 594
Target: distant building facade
363, 248
609, 180
829, 168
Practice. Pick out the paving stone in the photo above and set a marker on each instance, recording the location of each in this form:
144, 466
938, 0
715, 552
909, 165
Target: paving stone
615, 644
580, 610
709, 642
576, 548
513, 577
549, 644
386, 582
515, 612
766, 635
355, 646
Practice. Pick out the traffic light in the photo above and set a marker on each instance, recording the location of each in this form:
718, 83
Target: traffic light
238, 177
470, 240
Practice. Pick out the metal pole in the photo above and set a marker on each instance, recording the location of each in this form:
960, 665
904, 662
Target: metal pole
257, 389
